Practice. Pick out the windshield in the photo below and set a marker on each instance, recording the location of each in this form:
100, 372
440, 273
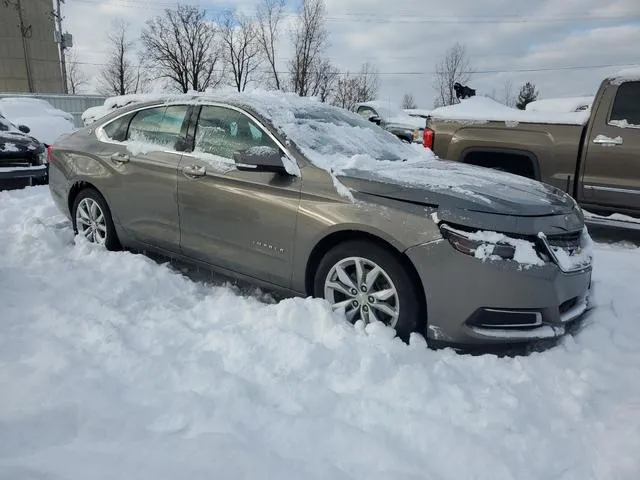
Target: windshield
332, 132
6, 125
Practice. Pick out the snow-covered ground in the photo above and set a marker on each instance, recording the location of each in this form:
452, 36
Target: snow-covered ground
115, 367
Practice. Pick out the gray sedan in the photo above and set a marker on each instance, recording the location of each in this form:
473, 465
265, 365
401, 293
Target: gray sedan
309, 199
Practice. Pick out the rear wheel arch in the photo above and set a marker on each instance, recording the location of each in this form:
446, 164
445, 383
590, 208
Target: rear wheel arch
75, 190
327, 243
518, 162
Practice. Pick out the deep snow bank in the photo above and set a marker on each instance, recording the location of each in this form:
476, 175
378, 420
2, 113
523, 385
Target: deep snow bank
112, 366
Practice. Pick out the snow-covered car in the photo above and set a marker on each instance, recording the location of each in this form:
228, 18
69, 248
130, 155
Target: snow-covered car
45, 122
22, 157
393, 119
317, 201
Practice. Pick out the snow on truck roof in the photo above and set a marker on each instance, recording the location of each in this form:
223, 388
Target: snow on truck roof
484, 109
631, 74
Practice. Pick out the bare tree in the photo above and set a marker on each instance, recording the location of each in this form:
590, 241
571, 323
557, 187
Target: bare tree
408, 101
368, 82
324, 79
76, 76
240, 48
269, 14
352, 89
180, 45
453, 67
506, 95
309, 38
121, 75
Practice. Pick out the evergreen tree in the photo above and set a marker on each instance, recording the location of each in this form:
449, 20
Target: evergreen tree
528, 94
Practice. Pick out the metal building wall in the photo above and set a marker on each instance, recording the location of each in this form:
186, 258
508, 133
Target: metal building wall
41, 49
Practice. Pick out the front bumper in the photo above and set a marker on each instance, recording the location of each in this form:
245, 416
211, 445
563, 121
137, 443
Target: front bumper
467, 297
19, 177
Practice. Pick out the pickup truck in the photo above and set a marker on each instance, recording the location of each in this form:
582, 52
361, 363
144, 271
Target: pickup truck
592, 155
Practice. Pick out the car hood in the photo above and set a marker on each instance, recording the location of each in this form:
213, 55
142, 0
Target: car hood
453, 185
18, 143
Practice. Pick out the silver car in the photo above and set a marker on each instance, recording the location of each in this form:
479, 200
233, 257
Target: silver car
312, 200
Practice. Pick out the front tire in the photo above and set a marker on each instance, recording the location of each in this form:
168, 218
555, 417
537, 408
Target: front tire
92, 219
371, 284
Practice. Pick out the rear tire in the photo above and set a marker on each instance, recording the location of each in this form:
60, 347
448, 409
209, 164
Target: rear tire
91, 218
391, 297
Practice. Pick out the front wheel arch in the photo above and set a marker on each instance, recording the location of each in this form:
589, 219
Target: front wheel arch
329, 242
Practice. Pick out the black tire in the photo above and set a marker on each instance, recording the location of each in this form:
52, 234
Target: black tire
111, 241
411, 314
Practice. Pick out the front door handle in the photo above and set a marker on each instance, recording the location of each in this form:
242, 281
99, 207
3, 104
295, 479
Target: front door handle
604, 140
119, 157
194, 171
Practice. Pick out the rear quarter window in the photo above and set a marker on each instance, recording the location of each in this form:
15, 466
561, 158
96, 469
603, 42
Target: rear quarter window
117, 129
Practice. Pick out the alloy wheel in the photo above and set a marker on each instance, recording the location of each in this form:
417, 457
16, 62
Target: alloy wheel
364, 290
91, 222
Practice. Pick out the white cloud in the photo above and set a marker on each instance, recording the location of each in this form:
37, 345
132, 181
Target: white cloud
409, 36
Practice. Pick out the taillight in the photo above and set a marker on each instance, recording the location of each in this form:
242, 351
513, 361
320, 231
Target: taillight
427, 138
49, 153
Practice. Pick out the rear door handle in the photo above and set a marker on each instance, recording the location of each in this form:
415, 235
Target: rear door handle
119, 157
194, 171
604, 140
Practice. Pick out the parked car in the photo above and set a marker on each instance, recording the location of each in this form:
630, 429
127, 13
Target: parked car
593, 155
22, 157
387, 115
313, 200
45, 122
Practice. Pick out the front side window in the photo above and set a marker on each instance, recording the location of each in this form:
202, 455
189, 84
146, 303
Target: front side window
626, 106
222, 132
159, 125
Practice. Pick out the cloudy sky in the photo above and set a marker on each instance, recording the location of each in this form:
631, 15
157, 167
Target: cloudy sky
564, 46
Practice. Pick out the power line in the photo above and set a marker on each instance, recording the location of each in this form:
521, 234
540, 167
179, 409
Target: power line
409, 73
353, 17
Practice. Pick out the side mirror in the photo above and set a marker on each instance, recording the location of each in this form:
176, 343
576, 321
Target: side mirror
375, 119
259, 159
24, 128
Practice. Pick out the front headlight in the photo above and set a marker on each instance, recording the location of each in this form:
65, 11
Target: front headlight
475, 247
42, 157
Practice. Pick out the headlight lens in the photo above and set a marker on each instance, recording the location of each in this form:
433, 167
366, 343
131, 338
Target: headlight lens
477, 248
42, 158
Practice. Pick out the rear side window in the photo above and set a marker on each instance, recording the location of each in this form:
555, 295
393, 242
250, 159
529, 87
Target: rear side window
158, 125
117, 129
626, 106
222, 131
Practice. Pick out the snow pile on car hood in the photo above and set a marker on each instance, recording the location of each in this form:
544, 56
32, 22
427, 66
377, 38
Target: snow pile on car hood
113, 366
484, 109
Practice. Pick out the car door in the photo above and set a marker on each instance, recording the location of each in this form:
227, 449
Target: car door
612, 169
142, 148
242, 221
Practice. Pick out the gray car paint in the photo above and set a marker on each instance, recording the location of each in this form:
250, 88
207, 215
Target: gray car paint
266, 227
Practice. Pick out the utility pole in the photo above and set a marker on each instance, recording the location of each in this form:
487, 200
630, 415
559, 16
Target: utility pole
61, 45
25, 32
